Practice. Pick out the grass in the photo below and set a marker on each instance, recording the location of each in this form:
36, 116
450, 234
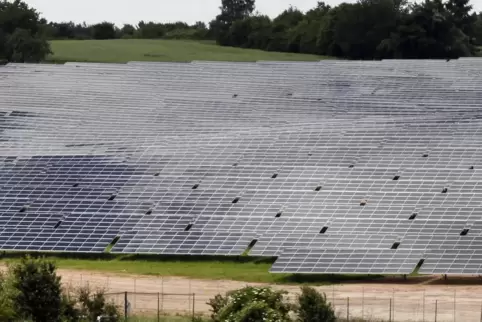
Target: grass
124, 50
246, 269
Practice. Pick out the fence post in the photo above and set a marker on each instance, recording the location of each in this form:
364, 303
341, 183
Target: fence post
333, 291
390, 311
363, 303
436, 304
480, 312
393, 307
423, 306
455, 305
125, 306
158, 312
193, 306
162, 303
348, 309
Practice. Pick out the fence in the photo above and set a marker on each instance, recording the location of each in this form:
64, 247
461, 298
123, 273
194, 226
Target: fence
370, 308
155, 305
153, 296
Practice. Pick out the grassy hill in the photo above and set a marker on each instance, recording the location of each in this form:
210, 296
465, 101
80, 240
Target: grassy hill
120, 51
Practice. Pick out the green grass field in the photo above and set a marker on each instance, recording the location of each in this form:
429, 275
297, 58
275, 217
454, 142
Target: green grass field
243, 268
121, 51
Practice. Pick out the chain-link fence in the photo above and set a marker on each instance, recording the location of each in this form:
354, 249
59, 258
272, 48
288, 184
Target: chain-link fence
156, 306
153, 296
400, 307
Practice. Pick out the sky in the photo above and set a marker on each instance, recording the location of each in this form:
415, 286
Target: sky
130, 11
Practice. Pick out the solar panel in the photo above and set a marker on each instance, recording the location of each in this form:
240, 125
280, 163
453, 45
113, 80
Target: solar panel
452, 261
206, 157
346, 261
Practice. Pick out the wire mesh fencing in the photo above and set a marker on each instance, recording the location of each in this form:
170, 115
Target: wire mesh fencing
372, 302
156, 306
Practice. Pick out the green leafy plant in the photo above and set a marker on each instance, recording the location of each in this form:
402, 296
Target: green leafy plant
312, 306
36, 291
251, 304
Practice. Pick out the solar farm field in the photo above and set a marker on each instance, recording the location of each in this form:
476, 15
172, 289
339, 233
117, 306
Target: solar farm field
121, 51
331, 167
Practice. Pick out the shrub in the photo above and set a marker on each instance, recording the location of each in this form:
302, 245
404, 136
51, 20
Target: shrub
251, 304
36, 290
93, 304
313, 307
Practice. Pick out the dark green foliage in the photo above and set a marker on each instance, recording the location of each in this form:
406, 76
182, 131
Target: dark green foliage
367, 29
216, 304
313, 307
69, 310
94, 304
7, 311
22, 47
31, 290
104, 30
128, 31
478, 30
231, 11
251, 304
38, 294
427, 32
68, 30
21, 33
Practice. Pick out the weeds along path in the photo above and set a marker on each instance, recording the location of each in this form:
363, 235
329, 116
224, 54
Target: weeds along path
412, 300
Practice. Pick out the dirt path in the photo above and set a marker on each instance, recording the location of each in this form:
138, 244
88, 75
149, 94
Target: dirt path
388, 300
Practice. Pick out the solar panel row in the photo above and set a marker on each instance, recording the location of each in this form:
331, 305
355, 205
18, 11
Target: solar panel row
334, 166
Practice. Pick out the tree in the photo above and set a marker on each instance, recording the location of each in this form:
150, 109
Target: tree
104, 30
306, 33
426, 32
283, 28
38, 294
21, 38
128, 30
460, 14
355, 30
313, 307
478, 30
231, 11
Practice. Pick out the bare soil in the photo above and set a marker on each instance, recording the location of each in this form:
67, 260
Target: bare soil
396, 299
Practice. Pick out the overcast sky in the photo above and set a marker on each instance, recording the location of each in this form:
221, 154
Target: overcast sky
130, 11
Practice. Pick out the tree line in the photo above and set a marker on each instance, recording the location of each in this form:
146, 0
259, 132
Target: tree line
366, 29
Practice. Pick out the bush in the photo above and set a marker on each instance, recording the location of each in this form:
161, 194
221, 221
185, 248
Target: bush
93, 304
251, 304
313, 307
36, 290
31, 290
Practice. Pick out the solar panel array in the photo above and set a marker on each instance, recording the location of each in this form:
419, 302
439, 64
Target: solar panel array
332, 166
